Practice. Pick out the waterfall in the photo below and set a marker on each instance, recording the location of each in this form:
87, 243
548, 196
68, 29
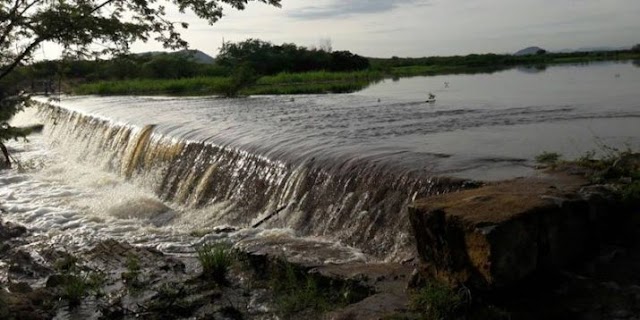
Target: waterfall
357, 202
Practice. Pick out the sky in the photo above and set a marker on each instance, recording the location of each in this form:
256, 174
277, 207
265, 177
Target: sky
417, 28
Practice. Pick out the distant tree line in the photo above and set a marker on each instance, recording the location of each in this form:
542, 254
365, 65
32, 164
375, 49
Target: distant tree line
155, 66
266, 58
251, 56
492, 60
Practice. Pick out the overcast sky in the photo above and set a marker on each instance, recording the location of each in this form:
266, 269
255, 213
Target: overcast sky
384, 28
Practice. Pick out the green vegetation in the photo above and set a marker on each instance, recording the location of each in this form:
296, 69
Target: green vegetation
132, 277
266, 58
74, 289
437, 301
74, 283
548, 158
213, 85
216, 260
614, 166
299, 291
283, 83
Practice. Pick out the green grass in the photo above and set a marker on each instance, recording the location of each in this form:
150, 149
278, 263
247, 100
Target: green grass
437, 301
298, 292
191, 86
132, 277
76, 286
548, 158
283, 83
216, 261
319, 77
613, 166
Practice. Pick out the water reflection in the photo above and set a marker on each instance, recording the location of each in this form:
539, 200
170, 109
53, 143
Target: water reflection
532, 68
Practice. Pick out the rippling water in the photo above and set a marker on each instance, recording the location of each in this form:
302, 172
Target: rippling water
340, 168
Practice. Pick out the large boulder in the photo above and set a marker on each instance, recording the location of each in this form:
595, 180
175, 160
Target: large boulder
499, 234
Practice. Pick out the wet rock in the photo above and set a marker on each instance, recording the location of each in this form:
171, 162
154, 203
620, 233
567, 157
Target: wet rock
22, 264
20, 287
56, 280
114, 255
151, 210
10, 230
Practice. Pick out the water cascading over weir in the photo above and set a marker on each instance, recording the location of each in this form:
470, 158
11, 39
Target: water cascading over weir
356, 202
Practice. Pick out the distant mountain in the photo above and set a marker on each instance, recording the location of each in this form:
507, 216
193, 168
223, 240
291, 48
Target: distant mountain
197, 55
529, 51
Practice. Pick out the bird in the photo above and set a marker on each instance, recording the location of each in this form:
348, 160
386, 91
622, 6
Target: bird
446, 84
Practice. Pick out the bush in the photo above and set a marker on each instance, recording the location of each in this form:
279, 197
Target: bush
216, 260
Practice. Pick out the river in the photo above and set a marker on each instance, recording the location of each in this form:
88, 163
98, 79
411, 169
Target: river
329, 171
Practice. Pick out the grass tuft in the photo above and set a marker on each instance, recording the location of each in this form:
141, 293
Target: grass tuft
216, 260
548, 158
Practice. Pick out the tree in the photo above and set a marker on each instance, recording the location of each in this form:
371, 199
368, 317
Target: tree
266, 58
82, 25
636, 48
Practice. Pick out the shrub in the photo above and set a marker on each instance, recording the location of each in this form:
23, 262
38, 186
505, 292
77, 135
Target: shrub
216, 260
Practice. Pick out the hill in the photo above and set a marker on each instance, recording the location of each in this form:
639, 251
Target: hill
529, 51
197, 55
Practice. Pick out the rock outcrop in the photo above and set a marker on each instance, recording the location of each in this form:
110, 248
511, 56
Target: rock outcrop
499, 234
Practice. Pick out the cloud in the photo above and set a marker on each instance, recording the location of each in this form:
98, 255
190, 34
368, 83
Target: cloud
342, 8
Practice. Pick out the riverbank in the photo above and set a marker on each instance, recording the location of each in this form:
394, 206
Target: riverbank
321, 82
115, 280
285, 83
586, 267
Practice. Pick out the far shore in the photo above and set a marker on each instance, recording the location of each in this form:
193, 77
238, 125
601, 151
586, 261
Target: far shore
322, 82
